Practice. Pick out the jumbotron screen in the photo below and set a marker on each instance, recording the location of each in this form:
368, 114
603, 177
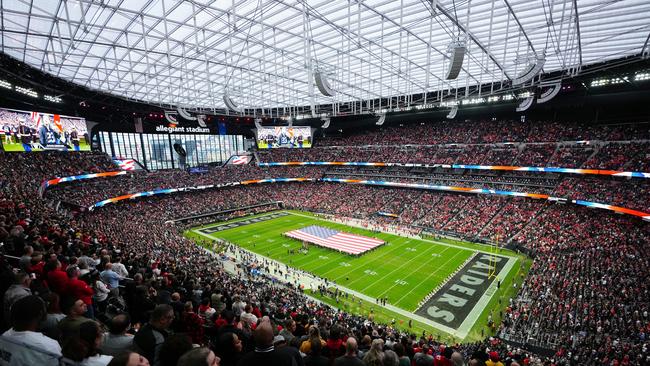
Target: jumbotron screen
39, 131
284, 137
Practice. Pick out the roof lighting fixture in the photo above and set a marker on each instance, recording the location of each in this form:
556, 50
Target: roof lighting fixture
621, 80
642, 76
612, 81
473, 101
27, 91
451, 103
51, 98
5, 84
599, 82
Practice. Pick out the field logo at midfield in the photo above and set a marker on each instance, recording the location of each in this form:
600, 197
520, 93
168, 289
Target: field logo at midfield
458, 297
216, 229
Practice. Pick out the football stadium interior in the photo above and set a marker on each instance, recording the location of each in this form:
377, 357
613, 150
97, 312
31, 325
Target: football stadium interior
302, 182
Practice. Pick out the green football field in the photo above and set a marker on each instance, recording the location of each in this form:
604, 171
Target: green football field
405, 270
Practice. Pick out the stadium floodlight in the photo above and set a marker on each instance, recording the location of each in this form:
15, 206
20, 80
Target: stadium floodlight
5, 84
230, 104
452, 113
530, 71
550, 93
525, 104
323, 84
457, 50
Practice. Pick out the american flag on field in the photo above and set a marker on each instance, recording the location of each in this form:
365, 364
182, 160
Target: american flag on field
125, 164
329, 238
240, 159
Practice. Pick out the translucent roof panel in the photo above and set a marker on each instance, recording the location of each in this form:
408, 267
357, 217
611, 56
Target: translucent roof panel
263, 53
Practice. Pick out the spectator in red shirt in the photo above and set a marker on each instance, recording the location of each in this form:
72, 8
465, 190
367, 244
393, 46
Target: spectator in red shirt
37, 265
80, 290
57, 279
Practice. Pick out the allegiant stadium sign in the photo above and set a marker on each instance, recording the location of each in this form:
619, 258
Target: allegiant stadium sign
177, 129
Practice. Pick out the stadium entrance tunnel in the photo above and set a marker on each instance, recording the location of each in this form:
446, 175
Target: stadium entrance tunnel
457, 299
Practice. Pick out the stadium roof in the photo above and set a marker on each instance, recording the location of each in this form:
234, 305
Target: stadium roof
260, 52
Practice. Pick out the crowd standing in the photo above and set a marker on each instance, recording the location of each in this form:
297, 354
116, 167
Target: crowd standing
120, 286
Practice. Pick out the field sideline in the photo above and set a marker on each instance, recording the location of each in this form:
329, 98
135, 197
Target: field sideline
405, 270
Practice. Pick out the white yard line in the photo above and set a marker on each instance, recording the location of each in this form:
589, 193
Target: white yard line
400, 267
426, 279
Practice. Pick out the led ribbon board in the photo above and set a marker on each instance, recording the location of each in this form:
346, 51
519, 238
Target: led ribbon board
158, 192
644, 215
615, 173
48, 183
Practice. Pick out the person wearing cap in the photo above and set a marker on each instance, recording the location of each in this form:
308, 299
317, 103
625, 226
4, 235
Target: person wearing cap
494, 360
443, 358
279, 341
265, 352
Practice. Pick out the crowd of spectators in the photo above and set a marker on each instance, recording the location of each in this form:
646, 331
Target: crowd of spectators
612, 155
584, 292
83, 285
626, 193
473, 132
470, 221
86, 193
67, 301
510, 219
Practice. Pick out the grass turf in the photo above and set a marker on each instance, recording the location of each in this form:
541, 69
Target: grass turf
405, 270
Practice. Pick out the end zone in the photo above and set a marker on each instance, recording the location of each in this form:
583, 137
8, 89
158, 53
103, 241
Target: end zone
459, 302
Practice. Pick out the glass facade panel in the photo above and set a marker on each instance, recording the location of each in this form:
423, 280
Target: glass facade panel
156, 151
